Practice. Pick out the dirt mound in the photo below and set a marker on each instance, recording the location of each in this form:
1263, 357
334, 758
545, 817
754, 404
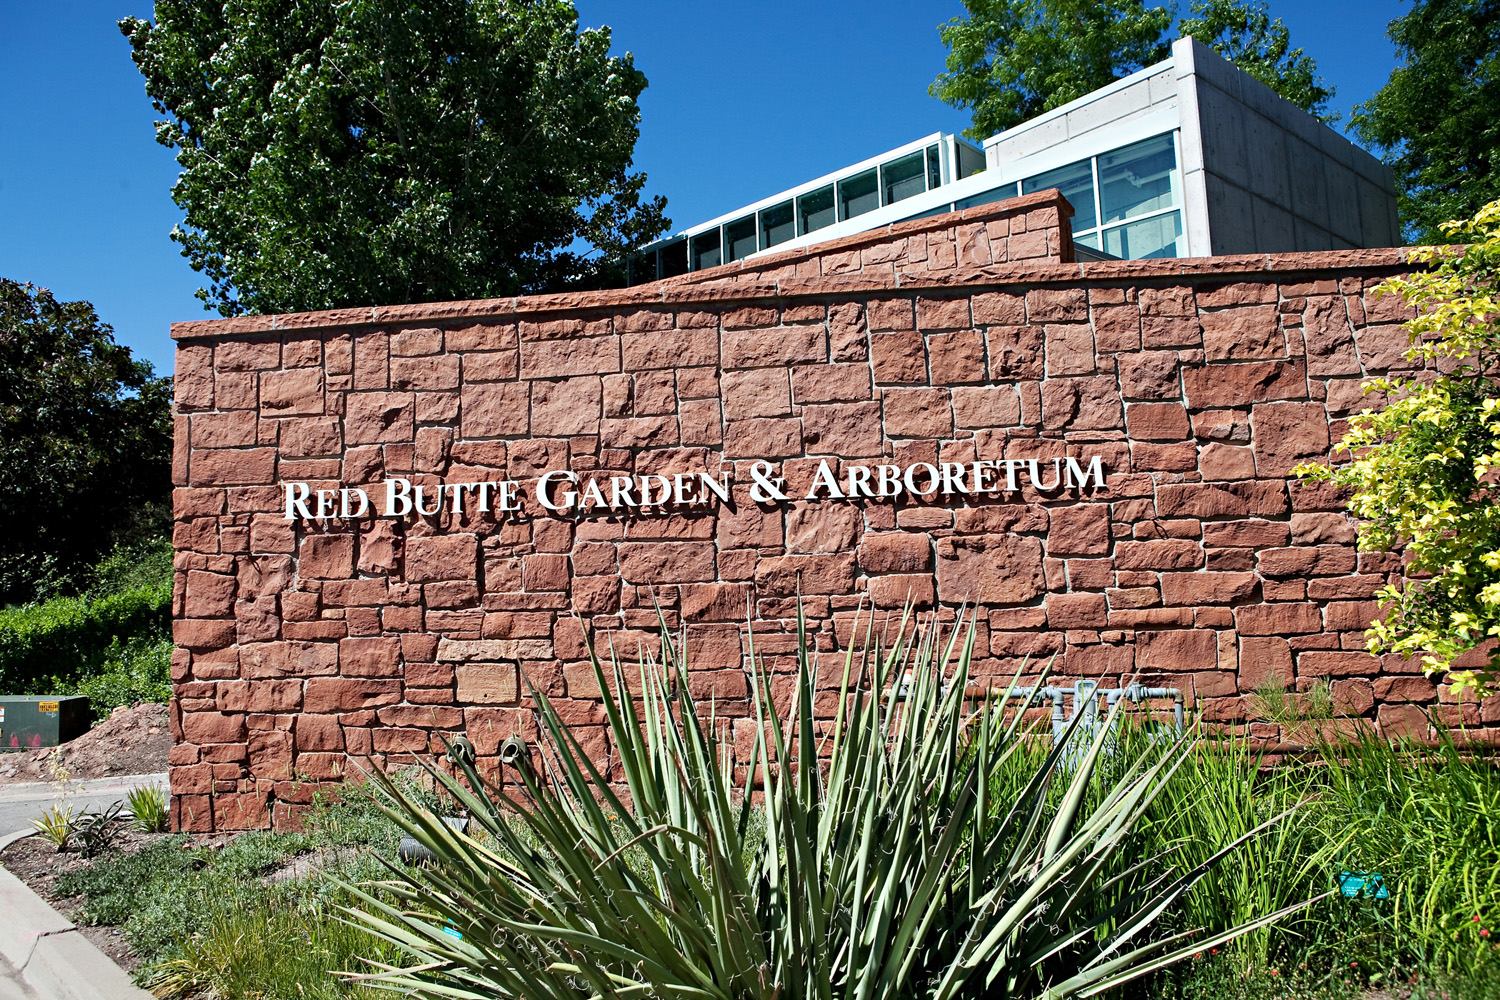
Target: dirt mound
131, 741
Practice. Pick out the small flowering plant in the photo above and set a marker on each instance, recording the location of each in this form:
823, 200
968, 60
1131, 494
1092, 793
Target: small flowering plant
1481, 932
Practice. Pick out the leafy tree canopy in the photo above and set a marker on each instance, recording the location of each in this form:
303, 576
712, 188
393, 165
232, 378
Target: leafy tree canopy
374, 151
1438, 118
85, 443
1011, 60
1246, 35
1424, 469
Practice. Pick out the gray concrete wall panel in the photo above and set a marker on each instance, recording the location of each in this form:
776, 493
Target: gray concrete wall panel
1232, 215
1223, 125
1274, 232
1343, 201
1298, 183
1267, 146
1309, 185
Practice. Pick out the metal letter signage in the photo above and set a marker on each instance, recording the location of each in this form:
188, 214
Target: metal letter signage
562, 491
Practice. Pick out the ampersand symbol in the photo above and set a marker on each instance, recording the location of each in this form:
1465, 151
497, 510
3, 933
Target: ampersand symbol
765, 490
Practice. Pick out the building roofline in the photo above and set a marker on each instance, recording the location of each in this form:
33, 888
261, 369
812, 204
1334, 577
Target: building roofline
731, 285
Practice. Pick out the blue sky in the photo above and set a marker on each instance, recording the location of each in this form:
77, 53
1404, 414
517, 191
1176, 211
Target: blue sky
745, 99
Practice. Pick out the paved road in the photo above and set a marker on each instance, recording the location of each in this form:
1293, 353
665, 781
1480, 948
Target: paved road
20, 803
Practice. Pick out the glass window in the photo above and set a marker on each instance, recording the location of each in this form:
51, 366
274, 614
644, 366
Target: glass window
706, 251
1137, 179
934, 168
641, 268
674, 259
986, 197
740, 238
1076, 182
970, 160
903, 178
1154, 237
815, 210
942, 209
858, 194
776, 224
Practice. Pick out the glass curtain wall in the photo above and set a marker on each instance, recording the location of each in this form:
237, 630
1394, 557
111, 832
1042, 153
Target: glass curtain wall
1127, 202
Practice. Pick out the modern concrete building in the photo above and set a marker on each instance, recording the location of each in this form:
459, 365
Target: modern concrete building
1190, 157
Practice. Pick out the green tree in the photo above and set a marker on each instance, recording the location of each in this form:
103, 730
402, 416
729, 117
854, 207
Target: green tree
1246, 35
374, 151
85, 443
1424, 469
1011, 60
1437, 120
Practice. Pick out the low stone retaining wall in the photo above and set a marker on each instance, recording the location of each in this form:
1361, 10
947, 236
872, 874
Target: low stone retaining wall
905, 391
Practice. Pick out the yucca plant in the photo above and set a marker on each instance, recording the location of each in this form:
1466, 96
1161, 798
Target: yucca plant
148, 808
866, 862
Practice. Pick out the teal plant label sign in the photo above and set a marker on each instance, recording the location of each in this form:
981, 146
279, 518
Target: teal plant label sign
1369, 885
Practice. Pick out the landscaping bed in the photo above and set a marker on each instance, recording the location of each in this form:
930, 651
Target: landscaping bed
40, 866
226, 915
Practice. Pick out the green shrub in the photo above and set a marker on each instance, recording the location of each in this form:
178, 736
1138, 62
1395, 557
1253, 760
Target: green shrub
270, 951
68, 638
137, 670
886, 871
146, 563
1426, 818
113, 644
1222, 791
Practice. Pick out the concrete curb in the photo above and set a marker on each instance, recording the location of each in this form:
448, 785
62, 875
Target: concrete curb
45, 951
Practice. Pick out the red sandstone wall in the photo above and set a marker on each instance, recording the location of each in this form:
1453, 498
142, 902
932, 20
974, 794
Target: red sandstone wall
1202, 382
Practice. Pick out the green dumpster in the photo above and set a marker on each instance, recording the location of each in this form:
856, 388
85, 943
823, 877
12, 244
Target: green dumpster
28, 721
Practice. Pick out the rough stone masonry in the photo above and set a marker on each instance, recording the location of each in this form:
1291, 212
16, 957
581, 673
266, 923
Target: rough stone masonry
309, 646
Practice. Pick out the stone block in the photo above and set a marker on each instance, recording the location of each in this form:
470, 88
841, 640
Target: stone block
895, 552
1207, 588
847, 430
648, 563
1288, 434
325, 695
488, 683
763, 438
567, 406
920, 413
1265, 661
759, 392
573, 356
830, 383
1078, 530
896, 591
379, 417
442, 557
370, 656
1157, 422
1278, 619
983, 407
989, 569
1176, 651
956, 358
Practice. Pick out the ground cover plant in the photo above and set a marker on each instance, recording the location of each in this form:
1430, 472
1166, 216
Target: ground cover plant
892, 873
257, 916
